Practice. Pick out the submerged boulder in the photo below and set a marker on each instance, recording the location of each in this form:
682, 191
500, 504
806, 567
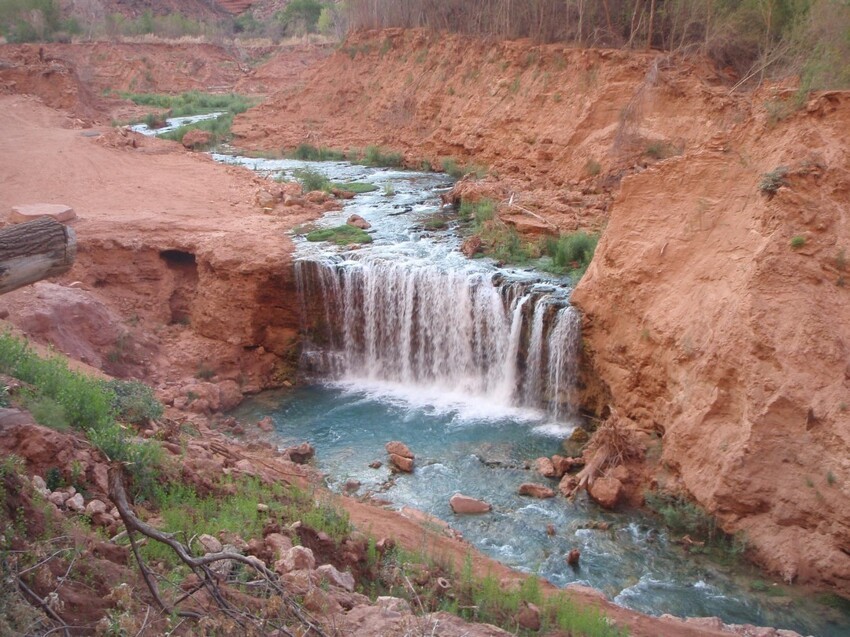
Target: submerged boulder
358, 222
400, 463
399, 449
463, 504
546, 468
536, 490
300, 454
401, 457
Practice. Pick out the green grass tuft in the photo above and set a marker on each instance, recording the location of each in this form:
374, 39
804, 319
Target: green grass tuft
62, 398
311, 180
308, 152
357, 187
340, 235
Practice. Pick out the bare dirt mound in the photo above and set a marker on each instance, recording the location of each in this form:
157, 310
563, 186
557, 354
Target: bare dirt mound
32, 70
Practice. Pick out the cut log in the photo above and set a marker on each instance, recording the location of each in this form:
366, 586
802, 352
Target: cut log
33, 251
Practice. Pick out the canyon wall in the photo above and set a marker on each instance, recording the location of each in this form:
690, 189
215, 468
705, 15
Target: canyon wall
717, 315
716, 306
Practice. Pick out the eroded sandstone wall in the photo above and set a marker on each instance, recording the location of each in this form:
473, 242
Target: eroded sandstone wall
709, 326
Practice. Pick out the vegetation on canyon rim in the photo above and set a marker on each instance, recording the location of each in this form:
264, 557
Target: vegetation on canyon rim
757, 38
61, 398
569, 253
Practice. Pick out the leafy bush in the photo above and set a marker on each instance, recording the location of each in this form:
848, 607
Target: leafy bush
340, 235
773, 180
308, 152
798, 242
484, 599
192, 102
188, 515
65, 398
682, 516
311, 180
572, 252
374, 156
195, 103
451, 168
592, 167
357, 187
134, 402
300, 16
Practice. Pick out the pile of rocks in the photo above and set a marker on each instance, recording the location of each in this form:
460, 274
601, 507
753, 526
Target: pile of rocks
69, 499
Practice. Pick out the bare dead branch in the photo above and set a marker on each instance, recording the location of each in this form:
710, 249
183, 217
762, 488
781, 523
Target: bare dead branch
43, 605
200, 565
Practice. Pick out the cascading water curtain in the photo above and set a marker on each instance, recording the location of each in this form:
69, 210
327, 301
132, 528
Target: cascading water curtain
417, 324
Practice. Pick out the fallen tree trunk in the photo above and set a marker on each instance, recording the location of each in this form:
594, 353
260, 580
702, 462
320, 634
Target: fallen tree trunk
33, 251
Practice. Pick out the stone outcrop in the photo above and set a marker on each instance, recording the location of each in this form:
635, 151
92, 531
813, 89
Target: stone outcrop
463, 504
536, 490
27, 212
358, 222
401, 457
606, 492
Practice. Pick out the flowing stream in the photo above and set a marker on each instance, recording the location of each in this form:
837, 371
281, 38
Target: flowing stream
474, 366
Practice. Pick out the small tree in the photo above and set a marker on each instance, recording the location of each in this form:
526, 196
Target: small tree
301, 16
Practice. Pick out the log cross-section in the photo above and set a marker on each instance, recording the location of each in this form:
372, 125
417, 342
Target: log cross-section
33, 251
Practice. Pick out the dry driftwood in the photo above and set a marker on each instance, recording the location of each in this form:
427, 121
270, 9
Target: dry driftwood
611, 444
33, 251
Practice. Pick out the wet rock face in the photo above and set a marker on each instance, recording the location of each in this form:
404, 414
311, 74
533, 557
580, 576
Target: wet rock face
401, 457
536, 490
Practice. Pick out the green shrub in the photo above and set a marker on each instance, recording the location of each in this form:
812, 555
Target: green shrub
135, 403
340, 235
798, 242
592, 167
46, 411
684, 517
357, 187
192, 102
300, 16
311, 180
186, 514
451, 168
308, 152
772, 181
571, 252
661, 150
374, 156
65, 398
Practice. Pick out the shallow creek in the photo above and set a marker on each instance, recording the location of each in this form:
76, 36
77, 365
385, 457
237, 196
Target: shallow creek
472, 366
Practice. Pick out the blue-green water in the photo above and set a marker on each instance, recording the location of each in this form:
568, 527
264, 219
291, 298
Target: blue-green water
471, 447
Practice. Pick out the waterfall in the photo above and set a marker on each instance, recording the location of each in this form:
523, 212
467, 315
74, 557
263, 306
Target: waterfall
451, 328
